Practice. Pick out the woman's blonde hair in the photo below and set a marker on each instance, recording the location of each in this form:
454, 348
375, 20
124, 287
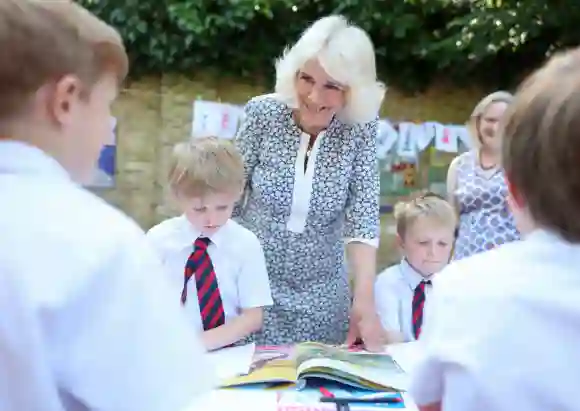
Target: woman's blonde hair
480, 109
429, 205
347, 54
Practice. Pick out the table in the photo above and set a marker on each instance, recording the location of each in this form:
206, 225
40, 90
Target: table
258, 400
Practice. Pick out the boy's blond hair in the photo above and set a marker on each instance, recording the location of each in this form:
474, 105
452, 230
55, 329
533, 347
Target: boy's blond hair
427, 205
43, 40
206, 165
541, 145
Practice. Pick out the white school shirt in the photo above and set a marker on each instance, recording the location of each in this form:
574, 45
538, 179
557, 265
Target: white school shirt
394, 291
237, 258
87, 320
502, 331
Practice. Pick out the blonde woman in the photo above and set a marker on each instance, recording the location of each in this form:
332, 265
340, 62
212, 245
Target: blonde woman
312, 186
476, 183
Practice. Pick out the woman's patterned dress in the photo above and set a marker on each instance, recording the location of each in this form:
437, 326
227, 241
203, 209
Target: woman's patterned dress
484, 219
303, 216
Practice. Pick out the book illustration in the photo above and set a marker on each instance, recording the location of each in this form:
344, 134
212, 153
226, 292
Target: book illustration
310, 351
265, 355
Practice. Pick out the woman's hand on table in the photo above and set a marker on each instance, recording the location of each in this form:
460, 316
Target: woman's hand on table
365, 326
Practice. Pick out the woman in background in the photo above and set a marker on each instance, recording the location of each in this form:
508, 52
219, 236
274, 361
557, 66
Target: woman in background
476, 183
313, 185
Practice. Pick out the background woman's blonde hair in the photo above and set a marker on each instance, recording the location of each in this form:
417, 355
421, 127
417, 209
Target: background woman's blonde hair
481, 108
429, 205
347, 54
205, 165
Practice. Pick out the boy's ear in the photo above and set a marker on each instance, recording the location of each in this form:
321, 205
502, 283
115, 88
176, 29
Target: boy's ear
61, 96
399, 241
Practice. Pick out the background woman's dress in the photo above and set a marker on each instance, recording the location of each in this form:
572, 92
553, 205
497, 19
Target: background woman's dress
303, 216
484, 218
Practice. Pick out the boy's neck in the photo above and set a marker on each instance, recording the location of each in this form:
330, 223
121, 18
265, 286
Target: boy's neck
425, 276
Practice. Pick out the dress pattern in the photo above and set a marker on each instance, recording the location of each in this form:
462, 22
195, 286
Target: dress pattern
306, 269
484, 218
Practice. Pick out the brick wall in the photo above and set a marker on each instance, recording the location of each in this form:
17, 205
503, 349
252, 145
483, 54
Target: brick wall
156, 112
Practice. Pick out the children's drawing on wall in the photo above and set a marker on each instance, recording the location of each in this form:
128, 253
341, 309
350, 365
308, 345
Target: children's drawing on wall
414, 156
104, 176
212, 118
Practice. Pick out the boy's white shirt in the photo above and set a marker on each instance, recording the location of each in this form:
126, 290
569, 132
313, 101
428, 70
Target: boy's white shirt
502, 331
88, 320
236, 255
394, 291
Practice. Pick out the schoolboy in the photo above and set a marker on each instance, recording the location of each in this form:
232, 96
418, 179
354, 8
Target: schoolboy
503, 328
425, 234
204, 249
87, 322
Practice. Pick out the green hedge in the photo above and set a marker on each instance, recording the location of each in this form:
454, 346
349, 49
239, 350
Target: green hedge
417, 41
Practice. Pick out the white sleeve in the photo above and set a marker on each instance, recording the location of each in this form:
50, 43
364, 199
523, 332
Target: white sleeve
126, 344
370, 241
387, 302
429, 373
155, 240
253, 282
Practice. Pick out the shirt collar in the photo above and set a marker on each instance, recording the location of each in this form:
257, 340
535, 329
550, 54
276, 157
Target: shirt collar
188, 234
410, 275
20, 158
540, 235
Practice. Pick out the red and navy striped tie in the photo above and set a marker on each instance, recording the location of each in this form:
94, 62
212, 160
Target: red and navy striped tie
208, 294
418, 304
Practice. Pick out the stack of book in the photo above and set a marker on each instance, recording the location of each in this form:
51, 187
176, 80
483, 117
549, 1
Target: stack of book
318, 377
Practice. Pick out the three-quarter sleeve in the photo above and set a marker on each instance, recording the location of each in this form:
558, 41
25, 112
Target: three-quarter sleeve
362, 207
248, 139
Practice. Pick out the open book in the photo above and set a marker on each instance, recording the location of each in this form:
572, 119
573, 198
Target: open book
313, 361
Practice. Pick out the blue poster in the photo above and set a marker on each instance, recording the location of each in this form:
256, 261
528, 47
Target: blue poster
104, 176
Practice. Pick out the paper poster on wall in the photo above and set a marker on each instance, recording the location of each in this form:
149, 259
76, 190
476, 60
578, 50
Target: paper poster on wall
104, 175
463, 136
446, 138
215, 119
387, 135
422, 136
406, 144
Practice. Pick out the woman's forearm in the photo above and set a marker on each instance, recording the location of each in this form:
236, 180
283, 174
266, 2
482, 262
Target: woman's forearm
362, 264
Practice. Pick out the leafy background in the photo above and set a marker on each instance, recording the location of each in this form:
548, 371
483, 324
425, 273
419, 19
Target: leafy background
492, 43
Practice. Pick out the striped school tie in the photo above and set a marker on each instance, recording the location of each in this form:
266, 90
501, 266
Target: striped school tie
418, 304
208, 294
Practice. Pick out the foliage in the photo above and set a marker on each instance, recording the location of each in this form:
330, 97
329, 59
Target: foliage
488, 42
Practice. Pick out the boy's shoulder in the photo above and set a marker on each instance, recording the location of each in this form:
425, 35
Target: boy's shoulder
166, 228
489, 275
91, 218
79, 235
389, 277
237, 234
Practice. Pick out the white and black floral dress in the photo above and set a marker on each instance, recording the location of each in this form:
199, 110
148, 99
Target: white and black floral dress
304, 214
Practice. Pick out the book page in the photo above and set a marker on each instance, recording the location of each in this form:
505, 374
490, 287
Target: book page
269, 365
233, 361
375, 371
